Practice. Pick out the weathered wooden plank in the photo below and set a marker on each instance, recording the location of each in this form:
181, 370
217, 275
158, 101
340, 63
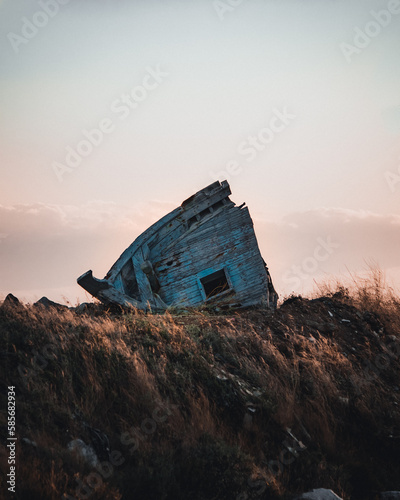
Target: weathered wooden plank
220, 229
201, 257
206, 193
206, 203
130, 251
234, 262
145, 291
240, 277
168, 233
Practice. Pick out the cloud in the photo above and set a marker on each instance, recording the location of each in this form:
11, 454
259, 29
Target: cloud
44, 247
50, 246
359, 238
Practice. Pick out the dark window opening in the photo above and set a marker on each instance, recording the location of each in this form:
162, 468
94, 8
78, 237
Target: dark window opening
128, 276
215, 283
217, 205
192, 220
204, 212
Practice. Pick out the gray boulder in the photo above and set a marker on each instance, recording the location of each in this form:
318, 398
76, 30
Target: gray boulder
390, 495
47, 303
84, 450
319, 494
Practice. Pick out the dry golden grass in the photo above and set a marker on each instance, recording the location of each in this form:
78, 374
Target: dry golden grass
204, 400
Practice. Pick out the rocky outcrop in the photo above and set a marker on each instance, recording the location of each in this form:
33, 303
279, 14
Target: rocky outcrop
45, 302
11, 301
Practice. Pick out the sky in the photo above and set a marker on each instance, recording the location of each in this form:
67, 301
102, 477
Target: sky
114, 112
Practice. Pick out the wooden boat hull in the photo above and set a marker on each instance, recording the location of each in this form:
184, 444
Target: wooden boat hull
204, 251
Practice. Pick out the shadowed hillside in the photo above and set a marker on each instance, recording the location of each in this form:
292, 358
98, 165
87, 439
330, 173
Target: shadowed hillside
204, 405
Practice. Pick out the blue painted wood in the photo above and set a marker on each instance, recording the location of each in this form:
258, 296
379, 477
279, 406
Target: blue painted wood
205, 234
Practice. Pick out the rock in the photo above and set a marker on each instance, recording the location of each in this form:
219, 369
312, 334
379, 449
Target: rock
94, 309
82, 308
319, 494
29, 442
11, 301
47, 303
390, 495
85, 451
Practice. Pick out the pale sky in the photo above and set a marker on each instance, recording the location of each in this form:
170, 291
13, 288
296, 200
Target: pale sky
205, 83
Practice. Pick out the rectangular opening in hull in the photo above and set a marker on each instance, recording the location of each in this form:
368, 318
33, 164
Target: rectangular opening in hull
215, 283
131, 287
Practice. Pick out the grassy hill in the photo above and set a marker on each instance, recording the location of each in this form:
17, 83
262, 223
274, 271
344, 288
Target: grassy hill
205, 405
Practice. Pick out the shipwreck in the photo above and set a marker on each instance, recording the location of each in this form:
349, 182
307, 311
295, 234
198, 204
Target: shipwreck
203, 252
